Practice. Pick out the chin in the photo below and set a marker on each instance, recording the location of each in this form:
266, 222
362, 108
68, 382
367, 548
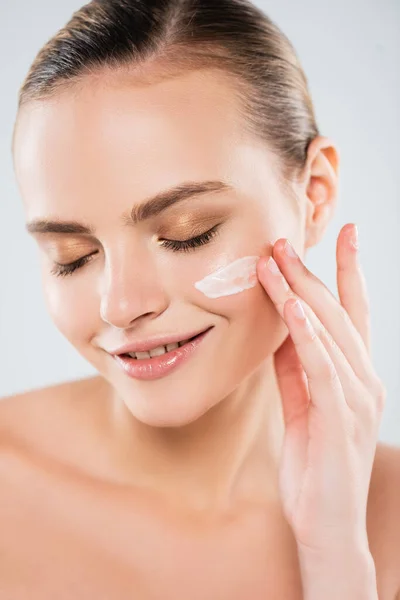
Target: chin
171, 413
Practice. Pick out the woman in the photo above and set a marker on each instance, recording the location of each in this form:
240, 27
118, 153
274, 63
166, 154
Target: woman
165, 150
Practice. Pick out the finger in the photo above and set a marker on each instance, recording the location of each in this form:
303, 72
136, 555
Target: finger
326, 392
351, 283
292, 381
333, 364
280, 292
331, 314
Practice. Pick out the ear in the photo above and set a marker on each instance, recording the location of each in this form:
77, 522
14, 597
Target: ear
320, 187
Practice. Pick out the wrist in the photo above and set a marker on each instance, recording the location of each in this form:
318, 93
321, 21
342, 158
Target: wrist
346, 575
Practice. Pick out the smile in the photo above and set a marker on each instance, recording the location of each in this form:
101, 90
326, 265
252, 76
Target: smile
159, 351
160, 361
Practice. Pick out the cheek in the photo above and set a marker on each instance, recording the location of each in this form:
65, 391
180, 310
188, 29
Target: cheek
266, 329
261, 328
253, 311
254, 329
71, 310
230, 280
178, 274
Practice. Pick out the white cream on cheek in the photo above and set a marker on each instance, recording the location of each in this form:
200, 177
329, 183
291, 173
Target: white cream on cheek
236, 277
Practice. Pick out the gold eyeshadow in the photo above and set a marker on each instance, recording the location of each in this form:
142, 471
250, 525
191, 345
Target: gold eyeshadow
174, 225
189, 225
66, 250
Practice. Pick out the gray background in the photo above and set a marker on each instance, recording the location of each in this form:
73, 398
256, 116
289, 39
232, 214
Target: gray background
351, 54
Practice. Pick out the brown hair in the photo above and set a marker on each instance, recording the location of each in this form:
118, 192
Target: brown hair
233, 36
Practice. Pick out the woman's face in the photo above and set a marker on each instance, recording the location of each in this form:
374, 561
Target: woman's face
93, 154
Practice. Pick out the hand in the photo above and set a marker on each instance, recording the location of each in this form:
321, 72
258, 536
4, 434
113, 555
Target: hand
332, 399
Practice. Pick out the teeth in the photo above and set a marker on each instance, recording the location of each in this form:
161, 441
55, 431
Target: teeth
172, 346
157, 351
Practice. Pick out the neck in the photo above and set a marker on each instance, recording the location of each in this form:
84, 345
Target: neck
228, 455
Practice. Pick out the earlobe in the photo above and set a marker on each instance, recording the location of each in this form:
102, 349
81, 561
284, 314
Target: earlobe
317, 225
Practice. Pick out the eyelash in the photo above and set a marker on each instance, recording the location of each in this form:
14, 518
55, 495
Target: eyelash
193, 243
174, 245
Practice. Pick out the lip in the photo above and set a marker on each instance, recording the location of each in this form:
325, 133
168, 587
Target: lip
159, 366
155, 342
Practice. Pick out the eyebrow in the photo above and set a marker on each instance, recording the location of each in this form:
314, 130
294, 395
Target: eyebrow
148, 209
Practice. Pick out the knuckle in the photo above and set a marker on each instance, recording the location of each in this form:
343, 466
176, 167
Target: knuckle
373, 407
370, 413
326, 372
367, 402
281, 304
377, 387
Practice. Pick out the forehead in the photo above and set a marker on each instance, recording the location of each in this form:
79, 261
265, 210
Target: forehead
111, 137
108, 116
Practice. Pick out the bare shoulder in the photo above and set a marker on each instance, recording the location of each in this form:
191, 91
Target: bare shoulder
383, 516
40, 416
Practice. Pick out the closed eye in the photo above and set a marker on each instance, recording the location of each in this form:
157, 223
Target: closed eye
60, 270
192, 243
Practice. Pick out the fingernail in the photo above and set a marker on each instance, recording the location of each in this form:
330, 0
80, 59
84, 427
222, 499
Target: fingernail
354, 238
290, 250
272, 266
298, 310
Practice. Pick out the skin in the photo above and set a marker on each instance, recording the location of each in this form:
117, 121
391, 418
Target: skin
129, 478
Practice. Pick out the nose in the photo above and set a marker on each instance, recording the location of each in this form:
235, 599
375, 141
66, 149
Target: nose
131, 290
